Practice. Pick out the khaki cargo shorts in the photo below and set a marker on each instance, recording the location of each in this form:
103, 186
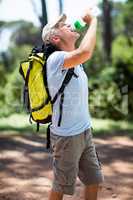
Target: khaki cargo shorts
74, 156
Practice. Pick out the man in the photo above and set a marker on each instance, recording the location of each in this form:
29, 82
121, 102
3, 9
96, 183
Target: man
73, 150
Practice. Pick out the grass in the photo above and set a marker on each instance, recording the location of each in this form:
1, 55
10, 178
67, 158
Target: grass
108, 126
20, 124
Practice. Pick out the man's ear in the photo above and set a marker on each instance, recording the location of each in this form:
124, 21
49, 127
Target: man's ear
55, 39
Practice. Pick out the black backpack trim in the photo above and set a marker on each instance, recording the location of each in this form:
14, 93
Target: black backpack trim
41, 106
26, 100
61, 108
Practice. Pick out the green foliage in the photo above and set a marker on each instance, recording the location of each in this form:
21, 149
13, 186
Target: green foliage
2, 75
128, 16
11, 90
123, 52
106, 100
123, 60
26, 33
21, 125
10, 95
100, 126
18, 54
110, 83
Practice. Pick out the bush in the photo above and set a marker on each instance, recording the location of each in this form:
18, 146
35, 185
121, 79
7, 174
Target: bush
11, 92
106, 100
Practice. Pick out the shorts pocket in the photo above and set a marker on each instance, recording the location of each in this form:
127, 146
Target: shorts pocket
53, 140
59, 145
65, 172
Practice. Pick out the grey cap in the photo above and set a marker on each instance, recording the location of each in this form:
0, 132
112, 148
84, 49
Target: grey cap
49, 28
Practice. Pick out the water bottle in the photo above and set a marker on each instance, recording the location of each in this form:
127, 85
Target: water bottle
80, 24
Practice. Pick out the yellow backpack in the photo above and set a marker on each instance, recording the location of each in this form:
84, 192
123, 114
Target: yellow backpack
36, 96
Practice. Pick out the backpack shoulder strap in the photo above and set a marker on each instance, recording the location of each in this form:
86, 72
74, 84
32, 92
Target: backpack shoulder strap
65, 82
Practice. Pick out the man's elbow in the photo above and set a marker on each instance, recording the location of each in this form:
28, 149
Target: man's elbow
87, 55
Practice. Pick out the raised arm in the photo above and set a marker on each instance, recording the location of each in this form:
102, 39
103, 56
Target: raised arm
85, 50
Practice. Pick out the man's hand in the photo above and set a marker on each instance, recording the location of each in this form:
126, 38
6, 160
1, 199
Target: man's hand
87, 17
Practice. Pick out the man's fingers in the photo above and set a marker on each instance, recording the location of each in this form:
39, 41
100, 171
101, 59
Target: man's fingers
87, 17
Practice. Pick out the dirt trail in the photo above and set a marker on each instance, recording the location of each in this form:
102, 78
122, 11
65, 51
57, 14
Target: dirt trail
26, 168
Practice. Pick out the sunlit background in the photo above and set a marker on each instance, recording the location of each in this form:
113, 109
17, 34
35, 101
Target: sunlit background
25, 164
110, 71
11, 10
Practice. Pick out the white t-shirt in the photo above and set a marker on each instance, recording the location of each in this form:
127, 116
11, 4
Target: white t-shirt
75, 114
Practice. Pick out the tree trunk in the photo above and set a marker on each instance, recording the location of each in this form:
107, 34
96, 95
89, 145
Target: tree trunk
60, 6
43, 18
107, 29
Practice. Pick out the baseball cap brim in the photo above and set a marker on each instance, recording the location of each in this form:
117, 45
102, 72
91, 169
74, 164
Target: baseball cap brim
61, 18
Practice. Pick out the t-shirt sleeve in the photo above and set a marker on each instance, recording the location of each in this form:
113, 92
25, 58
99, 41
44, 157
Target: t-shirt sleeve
56, 61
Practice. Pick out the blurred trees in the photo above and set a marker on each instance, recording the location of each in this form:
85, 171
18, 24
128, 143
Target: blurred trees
111, 88
123, 51
110, 71
107, 28
10, 82
20, 37
43, 15
43, 18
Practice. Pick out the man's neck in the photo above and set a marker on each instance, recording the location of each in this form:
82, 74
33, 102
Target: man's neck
66, 47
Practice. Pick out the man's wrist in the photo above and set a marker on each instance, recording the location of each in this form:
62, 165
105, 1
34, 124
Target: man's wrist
93, 20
